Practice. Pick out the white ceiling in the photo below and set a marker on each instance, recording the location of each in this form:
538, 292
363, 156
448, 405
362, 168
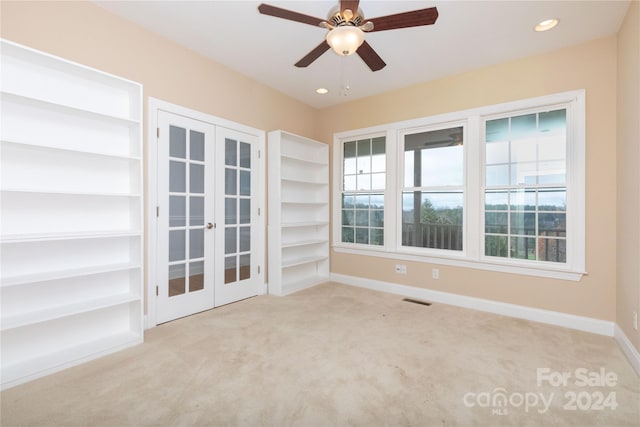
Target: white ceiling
467, 35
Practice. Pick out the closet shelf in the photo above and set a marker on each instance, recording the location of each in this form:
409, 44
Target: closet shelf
66, 274
53, 313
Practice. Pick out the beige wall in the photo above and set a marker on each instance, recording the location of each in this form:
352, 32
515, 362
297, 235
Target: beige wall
591, 66
628, 287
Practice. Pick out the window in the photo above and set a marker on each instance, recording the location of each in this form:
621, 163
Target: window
364, 176
525, 193
497, 188
433, 191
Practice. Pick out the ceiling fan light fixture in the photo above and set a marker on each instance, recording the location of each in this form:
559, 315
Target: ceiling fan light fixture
345, 40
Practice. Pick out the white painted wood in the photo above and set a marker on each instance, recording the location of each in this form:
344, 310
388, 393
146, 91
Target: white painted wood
71, 213
298, 212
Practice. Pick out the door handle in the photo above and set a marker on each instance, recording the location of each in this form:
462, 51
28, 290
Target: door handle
209, 226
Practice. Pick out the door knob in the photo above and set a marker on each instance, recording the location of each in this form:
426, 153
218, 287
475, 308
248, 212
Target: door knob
209, 226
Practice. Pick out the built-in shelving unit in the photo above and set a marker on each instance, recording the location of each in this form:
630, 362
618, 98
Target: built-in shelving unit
298, 212
71, 213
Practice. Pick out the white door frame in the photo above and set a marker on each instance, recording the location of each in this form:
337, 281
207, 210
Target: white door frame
154, 105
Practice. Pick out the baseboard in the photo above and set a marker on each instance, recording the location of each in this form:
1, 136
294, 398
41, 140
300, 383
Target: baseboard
628, 349
581, 323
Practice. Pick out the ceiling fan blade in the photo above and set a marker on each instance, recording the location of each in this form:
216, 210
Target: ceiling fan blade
290, 15
349, 4
370, 57
414, 18
314, 54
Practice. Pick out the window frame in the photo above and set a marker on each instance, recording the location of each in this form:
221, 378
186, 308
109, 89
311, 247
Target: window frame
472, 255
401, 188
339, 191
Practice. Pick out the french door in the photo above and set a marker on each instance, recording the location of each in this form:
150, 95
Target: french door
242, 248
209, 235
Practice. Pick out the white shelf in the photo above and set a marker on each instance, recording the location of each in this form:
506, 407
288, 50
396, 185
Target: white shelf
302, 160
71, 213
67, 193
49, 314
71, 150
304, 243
15, 97
304, 224
301, 261
43, 237
298, 212
66, 274
304, 202
304, 182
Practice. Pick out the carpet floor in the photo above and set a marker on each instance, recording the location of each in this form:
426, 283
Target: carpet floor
335, 355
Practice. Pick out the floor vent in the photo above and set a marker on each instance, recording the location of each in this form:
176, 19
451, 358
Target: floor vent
415, 301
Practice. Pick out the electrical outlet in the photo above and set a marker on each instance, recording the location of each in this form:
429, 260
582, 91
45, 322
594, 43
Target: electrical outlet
435, 273
635, 320
401, 269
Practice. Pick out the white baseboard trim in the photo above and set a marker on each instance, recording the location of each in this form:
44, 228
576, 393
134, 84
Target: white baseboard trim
628, 349
581, 323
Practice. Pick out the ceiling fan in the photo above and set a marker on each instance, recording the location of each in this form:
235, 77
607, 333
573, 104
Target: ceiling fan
347, 25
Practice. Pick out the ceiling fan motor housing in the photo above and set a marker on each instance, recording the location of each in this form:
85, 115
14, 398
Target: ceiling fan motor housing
336, 19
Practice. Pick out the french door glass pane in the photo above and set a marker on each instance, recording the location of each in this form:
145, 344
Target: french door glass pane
197, 146
245, 155
176, 245
177, 211
177, 142
196, 276
196, 178
231, 152
177, 177
177, 282
230, 210
196, 210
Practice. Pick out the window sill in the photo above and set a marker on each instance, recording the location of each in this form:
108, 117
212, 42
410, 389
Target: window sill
459, 261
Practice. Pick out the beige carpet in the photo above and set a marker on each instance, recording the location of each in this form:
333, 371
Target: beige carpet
335, 355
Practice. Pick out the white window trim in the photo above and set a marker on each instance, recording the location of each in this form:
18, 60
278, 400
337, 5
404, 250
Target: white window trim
400, 189
472, 255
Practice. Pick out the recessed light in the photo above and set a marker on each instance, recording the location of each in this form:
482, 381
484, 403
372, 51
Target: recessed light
546, 25
322, 91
